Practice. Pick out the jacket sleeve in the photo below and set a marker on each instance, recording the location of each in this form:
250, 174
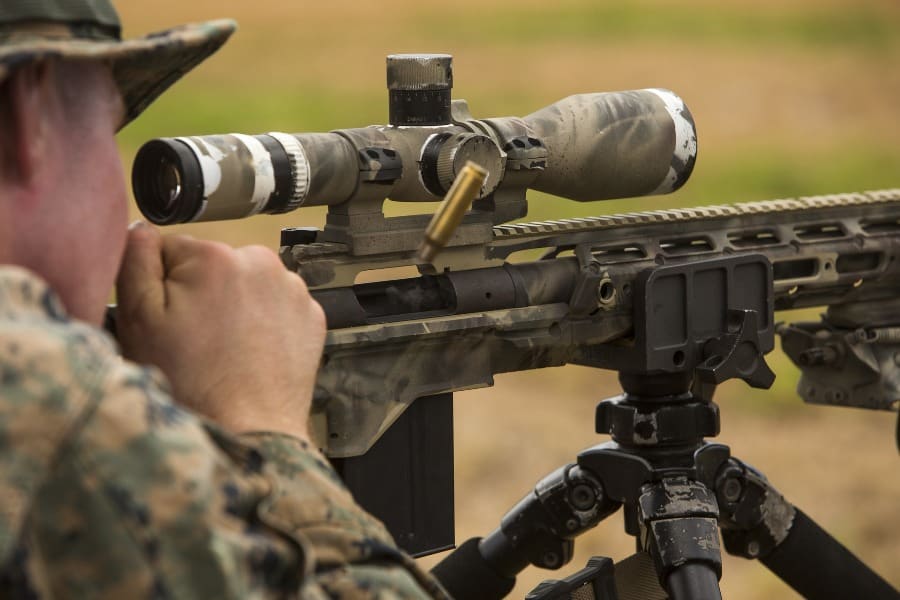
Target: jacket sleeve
353, 550
145, 499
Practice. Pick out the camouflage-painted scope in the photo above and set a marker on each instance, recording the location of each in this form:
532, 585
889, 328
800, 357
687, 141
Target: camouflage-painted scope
584, 147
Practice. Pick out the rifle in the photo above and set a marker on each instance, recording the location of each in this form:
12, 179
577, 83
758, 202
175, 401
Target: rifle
676, 301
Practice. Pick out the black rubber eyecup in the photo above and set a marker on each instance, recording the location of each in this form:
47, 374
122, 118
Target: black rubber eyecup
167, 181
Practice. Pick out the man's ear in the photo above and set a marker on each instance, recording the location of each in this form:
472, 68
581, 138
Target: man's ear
31, 101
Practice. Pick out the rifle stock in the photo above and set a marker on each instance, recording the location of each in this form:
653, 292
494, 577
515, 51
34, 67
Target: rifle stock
394, 341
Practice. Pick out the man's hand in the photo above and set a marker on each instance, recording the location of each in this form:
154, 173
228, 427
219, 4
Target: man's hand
238, 335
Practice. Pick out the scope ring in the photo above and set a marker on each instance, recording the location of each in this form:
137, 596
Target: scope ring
299, 168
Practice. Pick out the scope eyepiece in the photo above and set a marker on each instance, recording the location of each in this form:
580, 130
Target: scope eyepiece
180, 180
167, 181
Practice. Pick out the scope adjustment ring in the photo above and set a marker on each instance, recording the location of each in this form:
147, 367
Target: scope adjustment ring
299, 168
455, 151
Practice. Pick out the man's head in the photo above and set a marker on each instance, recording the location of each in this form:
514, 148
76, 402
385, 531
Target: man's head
67, 84
62, 192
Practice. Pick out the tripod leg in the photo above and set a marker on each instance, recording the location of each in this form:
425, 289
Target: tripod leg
539, 530
757, 522
680, 531
693, 580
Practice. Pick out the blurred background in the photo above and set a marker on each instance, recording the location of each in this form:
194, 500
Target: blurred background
790, 98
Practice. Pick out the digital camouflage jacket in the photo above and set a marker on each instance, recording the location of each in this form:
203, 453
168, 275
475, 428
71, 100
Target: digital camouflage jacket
110, 490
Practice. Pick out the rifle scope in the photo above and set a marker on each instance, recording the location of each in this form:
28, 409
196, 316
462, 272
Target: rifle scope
585, 147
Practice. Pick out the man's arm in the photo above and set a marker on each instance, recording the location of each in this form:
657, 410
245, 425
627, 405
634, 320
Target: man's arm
238, 336
240, 339
146, 500
351, 547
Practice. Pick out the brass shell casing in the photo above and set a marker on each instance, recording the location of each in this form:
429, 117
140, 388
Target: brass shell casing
451, 210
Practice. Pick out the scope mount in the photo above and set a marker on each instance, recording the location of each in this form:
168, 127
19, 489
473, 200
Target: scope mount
418, 86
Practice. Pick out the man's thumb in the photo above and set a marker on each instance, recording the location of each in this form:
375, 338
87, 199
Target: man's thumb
139, 286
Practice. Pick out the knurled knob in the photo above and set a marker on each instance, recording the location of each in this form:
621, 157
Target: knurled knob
419, 89
419, 72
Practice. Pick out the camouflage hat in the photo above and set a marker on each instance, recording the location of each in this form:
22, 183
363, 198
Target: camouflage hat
90, 30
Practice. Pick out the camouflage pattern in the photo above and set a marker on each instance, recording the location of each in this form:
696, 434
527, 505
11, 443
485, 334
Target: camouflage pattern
584, 147
142, 68
110, 490
832, 250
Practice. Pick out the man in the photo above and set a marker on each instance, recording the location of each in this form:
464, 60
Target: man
108, 488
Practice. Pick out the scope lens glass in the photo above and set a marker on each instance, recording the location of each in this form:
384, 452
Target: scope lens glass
168, 182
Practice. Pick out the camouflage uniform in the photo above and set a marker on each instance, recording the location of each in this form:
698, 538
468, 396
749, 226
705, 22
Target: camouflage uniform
110, 490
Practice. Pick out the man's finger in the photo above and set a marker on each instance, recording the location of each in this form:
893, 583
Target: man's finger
139, 285
178, 251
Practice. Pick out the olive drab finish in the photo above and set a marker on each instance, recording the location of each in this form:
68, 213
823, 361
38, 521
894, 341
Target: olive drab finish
110, 490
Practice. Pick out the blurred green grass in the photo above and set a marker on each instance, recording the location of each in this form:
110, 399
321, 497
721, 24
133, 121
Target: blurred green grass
869, 28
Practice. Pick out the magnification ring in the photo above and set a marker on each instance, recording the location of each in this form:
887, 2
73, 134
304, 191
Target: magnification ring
299, 168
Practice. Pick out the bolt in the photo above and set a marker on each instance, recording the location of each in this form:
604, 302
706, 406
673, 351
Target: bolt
571, 524
753, 549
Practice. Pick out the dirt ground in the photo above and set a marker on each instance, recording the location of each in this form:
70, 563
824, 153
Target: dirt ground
789, 98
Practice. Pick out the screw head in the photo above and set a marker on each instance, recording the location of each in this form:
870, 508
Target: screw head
731, 489
550, 560
582, 497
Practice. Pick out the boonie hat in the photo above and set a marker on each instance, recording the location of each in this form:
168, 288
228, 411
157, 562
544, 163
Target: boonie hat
143, 68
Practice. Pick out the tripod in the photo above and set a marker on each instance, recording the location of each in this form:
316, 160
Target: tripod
677, 490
